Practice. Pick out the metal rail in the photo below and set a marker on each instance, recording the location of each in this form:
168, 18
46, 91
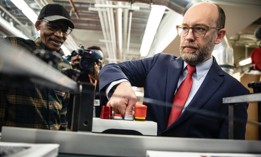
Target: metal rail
20, 63
231, 101
87, 143
243, 98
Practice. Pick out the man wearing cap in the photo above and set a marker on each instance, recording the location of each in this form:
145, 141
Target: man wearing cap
34, 106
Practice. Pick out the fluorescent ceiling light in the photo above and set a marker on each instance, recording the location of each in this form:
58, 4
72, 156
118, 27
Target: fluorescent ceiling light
156, 14
29, 13
245, 62
166, 32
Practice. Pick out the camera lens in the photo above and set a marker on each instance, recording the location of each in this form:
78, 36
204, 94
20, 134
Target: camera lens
86, 64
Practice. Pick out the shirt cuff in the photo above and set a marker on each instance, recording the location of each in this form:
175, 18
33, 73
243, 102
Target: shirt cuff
113, 84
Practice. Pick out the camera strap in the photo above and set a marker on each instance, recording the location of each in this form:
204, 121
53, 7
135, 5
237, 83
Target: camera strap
92, 80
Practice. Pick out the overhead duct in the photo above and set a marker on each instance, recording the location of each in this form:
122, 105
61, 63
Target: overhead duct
166, 32
123, 49
224, 55
178, 6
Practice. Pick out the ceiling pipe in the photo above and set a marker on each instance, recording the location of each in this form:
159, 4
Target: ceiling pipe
11, 30
119, 28
180, 6
41, 3
103, 26
74, 9
129, 33
104, 19
111, 30
105, 35
125, 32
10, 15
177, 5
116, 6
115, 43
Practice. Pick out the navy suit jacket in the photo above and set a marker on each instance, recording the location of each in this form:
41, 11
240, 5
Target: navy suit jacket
205, 116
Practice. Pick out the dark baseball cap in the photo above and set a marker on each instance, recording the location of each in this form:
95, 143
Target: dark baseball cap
54, 12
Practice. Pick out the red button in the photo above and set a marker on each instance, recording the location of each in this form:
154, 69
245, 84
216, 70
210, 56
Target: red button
140, 112
106, 112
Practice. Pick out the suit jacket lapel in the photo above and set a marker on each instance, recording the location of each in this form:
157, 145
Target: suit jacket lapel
174, 71
209, 86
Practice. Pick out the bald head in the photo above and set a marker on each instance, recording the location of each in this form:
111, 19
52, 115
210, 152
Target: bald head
201, 30
206, 11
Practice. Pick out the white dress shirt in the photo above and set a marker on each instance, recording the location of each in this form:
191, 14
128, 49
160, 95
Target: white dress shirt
198, 77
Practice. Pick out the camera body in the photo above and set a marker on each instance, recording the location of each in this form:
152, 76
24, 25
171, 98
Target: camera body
87, 59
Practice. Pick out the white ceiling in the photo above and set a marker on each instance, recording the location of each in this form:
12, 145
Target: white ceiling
106, 23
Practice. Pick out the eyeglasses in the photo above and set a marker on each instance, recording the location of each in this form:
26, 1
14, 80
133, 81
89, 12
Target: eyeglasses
198, 30
55, 27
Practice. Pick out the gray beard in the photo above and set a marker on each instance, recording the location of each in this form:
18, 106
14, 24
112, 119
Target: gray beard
200, 55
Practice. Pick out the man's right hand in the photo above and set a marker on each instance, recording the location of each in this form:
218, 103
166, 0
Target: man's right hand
123, 99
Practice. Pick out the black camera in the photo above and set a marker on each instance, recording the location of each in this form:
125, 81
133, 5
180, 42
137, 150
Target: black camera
87, 59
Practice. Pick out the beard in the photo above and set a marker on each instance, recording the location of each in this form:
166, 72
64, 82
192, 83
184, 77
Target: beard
200, 55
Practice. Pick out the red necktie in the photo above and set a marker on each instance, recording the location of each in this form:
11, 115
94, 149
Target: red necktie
181, 96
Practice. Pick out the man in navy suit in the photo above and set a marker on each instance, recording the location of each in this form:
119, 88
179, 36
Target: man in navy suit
204, 115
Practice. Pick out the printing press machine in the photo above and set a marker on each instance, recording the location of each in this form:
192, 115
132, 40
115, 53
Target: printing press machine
86, 137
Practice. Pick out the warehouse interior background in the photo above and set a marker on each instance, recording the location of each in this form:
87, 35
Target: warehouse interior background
135, 29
